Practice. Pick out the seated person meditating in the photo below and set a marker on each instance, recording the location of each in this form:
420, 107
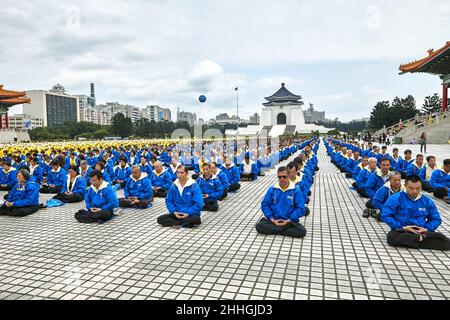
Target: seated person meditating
440, 180
55, 180
74, 189
232, 173
122, 172
282, 207
161, 180
23, 198
248, 169
7, 176
101, 200
413, 218
184, 201
222, 178
211, 187
138, 191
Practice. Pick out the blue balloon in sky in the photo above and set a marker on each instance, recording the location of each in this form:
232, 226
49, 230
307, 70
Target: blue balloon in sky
202, 98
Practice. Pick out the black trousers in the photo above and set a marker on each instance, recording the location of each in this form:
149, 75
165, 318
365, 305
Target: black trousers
125, 203
234, 187
369, 205
432, 240
160, 193
86, 216
211, 206
362, 192
48, 189
427, 187
247, 177
76, 197
6, 188
224, 195
169, 220
18, 211
295, 230
440, 193
354, 185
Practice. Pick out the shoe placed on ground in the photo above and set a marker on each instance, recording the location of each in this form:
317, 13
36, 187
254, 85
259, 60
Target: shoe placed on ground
42, 206
366, 213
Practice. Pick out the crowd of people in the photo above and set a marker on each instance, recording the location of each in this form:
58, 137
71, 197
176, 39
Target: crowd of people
191, 178
394, 187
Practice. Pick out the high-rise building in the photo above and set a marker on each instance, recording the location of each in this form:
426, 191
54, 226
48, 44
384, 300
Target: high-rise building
54, 107
255, 119
184, 116
127, 110
312, 115
156, 113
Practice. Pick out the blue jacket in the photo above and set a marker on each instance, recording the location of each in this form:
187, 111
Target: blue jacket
440, 179
122, 173
104, 198
254, 172
363, 176
403, 166
396, 164
374, 183
400, 211
423, 172
26, 196
232, 173
381, 196
190, 201
412, 169
287, 205
356, 171
223, 179
146, 168
212, 187
163, 180
141, 188
9, 178
92, 161
79, 187
57, 178
67, 163
86, 176
38, 173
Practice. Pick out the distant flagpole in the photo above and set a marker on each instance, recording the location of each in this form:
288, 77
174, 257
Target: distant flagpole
237, 112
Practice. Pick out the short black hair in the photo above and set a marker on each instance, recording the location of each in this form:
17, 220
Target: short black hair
291, 165
413, 179
55, 162
395, 149
123, 159
385, 159
181, 166
96, 173
101, 164
408, 151
206, 164
75, 168
282, 169
430, 157
7, 162
419, 155
447, 162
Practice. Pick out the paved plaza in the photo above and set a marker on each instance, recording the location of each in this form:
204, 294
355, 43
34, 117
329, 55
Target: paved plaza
49, 255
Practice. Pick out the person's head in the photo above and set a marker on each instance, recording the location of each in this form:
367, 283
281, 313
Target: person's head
413, 186
136, 172
419, 159
96, 178
283, 176
228, 161
431, 160
356, 155
123, 162
385, 165
55, 164
292, 170
372, 163
174, 160
349, 153
73, 171
23, 175
143, 160
158, 166
6, 165
383, 149
100, 166
376, 149
446, 165
365, 161
213, 166
206, 169
395, 180
182, 173
83, 164
34, 161
408, 154
395, 152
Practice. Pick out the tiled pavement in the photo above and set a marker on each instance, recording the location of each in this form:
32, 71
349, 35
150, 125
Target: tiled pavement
48, 255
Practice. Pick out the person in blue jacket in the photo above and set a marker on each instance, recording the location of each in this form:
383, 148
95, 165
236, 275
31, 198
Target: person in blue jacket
396, 160
358, 168
379, 178
375, 205
23, 199
145, 166
413, 218
8, 177
55, 179
85, 171
405, 162
184, 202
36, 170
122, 173
440, 180
161, 180
414, 168
74, 190
219, 174
426, 172
299, 179
363, 177
232, 173
138, 191
100, 166
211, 187
101, 200
71, 160
248, 170
282, 207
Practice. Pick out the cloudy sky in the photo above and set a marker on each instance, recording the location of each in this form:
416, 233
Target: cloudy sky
341, 55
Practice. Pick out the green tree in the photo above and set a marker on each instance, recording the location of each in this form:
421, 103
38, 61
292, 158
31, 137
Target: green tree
121, 125
142, 128
379, 114
432, 104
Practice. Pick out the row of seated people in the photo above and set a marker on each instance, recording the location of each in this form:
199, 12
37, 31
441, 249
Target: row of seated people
412, 216
139, 189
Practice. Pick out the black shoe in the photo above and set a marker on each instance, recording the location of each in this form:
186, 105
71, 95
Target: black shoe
366, 213
42, 206
374, 213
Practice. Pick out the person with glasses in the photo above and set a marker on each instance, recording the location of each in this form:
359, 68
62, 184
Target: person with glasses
184, 201
282, 206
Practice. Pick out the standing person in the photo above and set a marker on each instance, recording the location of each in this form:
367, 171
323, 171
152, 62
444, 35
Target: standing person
423, 142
